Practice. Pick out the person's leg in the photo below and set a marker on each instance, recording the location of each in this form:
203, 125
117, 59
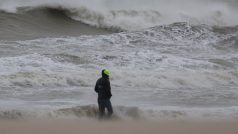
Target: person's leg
109, 108
101, 106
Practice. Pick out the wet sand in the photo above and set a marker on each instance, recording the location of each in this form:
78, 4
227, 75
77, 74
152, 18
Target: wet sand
117, 127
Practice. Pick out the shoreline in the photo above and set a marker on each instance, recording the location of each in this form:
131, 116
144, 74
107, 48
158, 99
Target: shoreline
118, 127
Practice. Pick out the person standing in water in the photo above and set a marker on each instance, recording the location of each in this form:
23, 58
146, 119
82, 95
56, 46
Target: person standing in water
103, 88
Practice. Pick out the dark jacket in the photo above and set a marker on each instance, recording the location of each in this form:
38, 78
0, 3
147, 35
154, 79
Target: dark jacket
103, 88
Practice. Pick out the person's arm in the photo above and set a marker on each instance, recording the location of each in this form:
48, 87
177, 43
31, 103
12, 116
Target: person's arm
109, 89
96, 87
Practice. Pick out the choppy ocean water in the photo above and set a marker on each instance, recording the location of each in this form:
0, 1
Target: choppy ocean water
162, 68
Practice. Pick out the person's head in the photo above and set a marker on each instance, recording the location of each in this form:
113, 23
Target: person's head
105, 73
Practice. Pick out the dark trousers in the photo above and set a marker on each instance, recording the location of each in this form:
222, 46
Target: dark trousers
105, 104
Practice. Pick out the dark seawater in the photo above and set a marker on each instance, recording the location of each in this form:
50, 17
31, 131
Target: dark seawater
42, 22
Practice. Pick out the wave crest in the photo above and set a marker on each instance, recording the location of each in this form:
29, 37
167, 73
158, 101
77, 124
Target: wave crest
143, 14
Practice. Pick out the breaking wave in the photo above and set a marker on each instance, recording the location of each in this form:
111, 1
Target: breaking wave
107, 14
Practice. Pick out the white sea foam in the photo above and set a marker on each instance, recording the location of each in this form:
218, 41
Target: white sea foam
176, 70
